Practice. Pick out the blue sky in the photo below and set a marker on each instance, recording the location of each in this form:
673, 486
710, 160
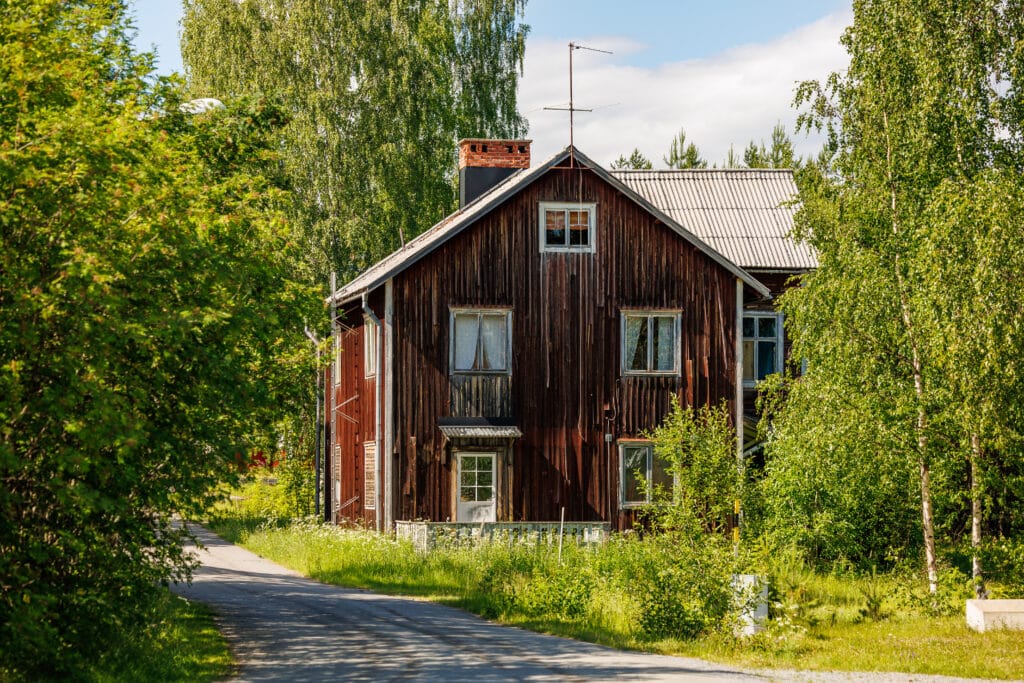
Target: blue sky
723, 70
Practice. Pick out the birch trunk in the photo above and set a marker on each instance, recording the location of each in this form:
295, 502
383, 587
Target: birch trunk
976, 574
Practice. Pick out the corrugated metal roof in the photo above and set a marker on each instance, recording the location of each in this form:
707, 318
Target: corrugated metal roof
745, 214
478, 427
479, 432
454, 223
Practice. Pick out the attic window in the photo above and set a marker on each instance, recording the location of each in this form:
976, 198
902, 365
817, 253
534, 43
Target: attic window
567, 226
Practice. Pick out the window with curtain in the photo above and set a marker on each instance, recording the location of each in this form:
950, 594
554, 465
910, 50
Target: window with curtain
567, 226
650, 343
640, 472
480, 341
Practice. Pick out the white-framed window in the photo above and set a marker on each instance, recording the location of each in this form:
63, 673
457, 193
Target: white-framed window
640, 472
650, 342
567, 226
370, 337
481, 341
762, 346
337, 359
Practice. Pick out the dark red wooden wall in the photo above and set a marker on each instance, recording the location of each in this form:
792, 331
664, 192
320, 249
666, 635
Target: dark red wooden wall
567, 387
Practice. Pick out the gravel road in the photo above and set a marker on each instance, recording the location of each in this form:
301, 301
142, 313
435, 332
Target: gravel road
284, 627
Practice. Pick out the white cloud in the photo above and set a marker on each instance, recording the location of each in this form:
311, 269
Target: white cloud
730, 98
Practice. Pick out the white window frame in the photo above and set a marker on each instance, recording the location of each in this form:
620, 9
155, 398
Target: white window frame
452, 339
371, 335
590, 207
676, 370
648, 474
779, 340
336, 374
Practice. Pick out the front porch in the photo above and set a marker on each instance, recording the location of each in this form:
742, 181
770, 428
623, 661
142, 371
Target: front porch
425, 536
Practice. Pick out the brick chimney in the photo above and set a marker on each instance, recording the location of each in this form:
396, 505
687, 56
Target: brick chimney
485, 163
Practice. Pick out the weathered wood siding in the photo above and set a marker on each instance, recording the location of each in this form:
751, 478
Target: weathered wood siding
353, 420
566, 389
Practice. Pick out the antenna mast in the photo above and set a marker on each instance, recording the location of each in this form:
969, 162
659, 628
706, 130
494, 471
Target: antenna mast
572, 109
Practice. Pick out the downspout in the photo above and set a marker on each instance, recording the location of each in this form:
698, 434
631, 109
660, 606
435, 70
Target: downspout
389, 417
739, 372
368, 312
739, 400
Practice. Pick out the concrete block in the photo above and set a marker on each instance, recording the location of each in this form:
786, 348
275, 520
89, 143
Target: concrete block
751, 593
986, 615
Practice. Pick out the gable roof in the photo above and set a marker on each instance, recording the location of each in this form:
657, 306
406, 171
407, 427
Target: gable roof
745, 214
461, 219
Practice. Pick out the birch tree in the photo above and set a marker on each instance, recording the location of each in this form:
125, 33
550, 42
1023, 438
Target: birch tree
926, 105
379, 93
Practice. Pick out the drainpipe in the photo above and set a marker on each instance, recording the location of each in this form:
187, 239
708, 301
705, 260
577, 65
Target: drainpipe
388, 416
739, 401
368, 312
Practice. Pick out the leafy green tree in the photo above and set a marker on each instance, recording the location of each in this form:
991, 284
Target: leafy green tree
683, 154
699, 450
635, 161
151, 324
925, 106
778, 155
378, 91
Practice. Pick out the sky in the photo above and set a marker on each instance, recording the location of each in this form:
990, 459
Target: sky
725, 71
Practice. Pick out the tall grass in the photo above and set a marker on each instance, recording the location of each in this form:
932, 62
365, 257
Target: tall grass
661, 594
179, 642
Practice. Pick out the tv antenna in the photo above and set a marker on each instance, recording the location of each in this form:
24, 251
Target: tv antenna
571, 108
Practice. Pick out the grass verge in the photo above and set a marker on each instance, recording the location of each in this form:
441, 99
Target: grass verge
820, 622
180, 643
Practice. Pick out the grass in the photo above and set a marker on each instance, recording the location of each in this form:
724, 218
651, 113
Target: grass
180, 643
838, 623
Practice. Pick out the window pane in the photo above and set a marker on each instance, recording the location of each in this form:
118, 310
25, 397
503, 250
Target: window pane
749, 326
636, 342
467, 494
659, 473
466, 334
765, 359
634, 463
579, 227
468, 476
748, 360
664, 343
766, 327
554, 227
494, 343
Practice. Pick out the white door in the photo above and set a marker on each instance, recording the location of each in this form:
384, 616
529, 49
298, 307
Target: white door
476, 487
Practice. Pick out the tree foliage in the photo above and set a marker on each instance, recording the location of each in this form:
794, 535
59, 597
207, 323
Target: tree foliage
778, 155
899, 334
683, 154
378, 91
635, 161
699, 449
151, 325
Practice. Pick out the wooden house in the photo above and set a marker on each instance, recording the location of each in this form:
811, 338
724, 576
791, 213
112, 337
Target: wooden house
506, 363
